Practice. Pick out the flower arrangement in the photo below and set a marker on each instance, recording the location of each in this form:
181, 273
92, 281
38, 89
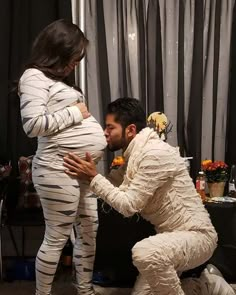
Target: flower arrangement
216, 171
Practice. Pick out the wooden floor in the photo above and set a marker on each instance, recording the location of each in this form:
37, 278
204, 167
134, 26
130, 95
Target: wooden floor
62, 286
28, 288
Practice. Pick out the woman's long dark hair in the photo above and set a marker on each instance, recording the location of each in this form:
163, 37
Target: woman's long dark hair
55, 46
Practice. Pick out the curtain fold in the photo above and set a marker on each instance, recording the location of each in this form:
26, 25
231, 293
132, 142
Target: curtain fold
155, 100
194, 119
181, 82
169, 31
230, 145
189, 21
208, 78
223, 78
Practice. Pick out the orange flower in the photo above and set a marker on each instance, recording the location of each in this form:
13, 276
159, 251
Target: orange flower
215, 171
206, 162
118, 161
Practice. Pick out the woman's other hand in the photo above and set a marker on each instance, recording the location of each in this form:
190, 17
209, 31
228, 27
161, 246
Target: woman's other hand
84, 110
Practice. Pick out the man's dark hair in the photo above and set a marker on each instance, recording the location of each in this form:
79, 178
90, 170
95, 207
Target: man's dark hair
128, 111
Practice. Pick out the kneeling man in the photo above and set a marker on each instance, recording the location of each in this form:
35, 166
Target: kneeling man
155, 183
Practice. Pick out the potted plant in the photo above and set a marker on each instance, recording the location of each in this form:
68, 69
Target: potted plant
216, 174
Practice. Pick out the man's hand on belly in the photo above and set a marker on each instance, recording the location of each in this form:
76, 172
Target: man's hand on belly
82, 169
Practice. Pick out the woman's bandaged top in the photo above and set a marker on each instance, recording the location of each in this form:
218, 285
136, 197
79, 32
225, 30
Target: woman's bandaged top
47, 112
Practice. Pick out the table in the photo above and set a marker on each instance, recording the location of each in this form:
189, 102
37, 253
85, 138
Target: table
223, 216
116, 237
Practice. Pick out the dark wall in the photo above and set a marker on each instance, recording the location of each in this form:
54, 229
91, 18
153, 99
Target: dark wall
20, 22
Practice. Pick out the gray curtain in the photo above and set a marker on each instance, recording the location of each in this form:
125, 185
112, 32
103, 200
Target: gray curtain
174, 56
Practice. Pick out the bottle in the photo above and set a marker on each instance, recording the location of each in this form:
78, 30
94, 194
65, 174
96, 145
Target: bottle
200, 185
232, 180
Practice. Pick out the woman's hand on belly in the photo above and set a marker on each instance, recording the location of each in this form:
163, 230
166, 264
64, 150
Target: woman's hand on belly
83, 109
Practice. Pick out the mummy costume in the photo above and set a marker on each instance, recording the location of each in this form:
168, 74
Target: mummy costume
155, 183
48, 113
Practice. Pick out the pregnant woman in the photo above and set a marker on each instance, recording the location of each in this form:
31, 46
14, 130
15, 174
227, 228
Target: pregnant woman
57, 115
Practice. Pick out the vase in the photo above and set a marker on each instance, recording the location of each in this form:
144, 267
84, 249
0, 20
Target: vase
216, 189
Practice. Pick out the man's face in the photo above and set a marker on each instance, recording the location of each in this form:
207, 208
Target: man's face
115, 136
